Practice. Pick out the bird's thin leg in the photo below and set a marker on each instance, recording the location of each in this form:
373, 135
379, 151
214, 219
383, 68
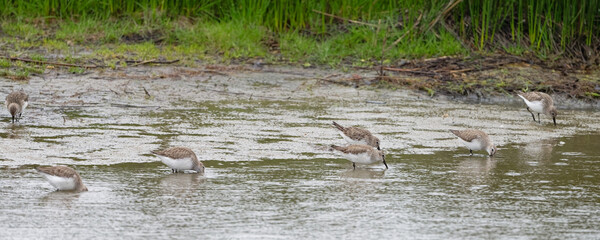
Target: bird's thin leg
354, 166
539, 119
471, 151
533, 116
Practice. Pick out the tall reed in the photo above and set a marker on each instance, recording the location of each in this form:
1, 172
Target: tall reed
539, 25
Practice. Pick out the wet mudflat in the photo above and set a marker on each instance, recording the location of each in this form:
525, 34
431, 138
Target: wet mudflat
264, 139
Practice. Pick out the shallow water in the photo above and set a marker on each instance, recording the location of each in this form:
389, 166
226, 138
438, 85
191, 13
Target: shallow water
544, 189
264, 140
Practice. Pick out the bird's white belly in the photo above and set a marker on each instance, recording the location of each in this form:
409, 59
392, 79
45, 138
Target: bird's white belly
362, 158
473, 145
24, 106
177, 164
352, 141
61, 183
536, 106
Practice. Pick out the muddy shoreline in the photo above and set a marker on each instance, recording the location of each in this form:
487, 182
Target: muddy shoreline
236, 114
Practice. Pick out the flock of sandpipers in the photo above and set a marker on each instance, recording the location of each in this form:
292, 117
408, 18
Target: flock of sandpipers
363, 147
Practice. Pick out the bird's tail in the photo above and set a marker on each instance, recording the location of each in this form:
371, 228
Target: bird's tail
339, 127
157, 152
339, 148
455, 132
40, 169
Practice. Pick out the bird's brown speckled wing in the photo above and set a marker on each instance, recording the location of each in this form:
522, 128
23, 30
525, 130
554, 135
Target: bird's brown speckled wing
176, 153
17, 97
59, 171
468, 134
355, 133
353, 149
546, 98
533, 96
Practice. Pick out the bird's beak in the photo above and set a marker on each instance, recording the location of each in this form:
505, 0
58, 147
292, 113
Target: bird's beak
386, 166
554, 119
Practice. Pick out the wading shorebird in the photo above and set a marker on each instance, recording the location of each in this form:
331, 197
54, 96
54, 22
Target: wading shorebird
475, 140
540, 103
63, 178
354, 135
361, 154
180, 159
16, 102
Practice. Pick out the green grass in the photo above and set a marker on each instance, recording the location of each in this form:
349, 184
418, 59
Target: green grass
111, 33
21, 30
4, 63
546, 27
217, 42
361, 45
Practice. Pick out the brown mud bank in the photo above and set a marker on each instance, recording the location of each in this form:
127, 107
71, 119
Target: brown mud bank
491, 78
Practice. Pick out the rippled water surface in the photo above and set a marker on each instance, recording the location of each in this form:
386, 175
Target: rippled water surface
270, 173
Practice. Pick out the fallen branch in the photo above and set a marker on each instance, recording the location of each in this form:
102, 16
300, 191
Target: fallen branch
153, 61
143, 62
48, 63
462, 70
345, 19
408, 71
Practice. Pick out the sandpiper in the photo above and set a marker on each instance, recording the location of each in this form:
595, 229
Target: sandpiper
354, 135
63, 178
180, 159
361, 154
16, 102
475, 140
540, 103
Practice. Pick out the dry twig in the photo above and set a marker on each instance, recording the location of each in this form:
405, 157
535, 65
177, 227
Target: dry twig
153, 61
146, 91
48, 63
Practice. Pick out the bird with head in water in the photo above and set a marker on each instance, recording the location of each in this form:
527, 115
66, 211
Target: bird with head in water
16, 102
539, 102
475, 140
361, 154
